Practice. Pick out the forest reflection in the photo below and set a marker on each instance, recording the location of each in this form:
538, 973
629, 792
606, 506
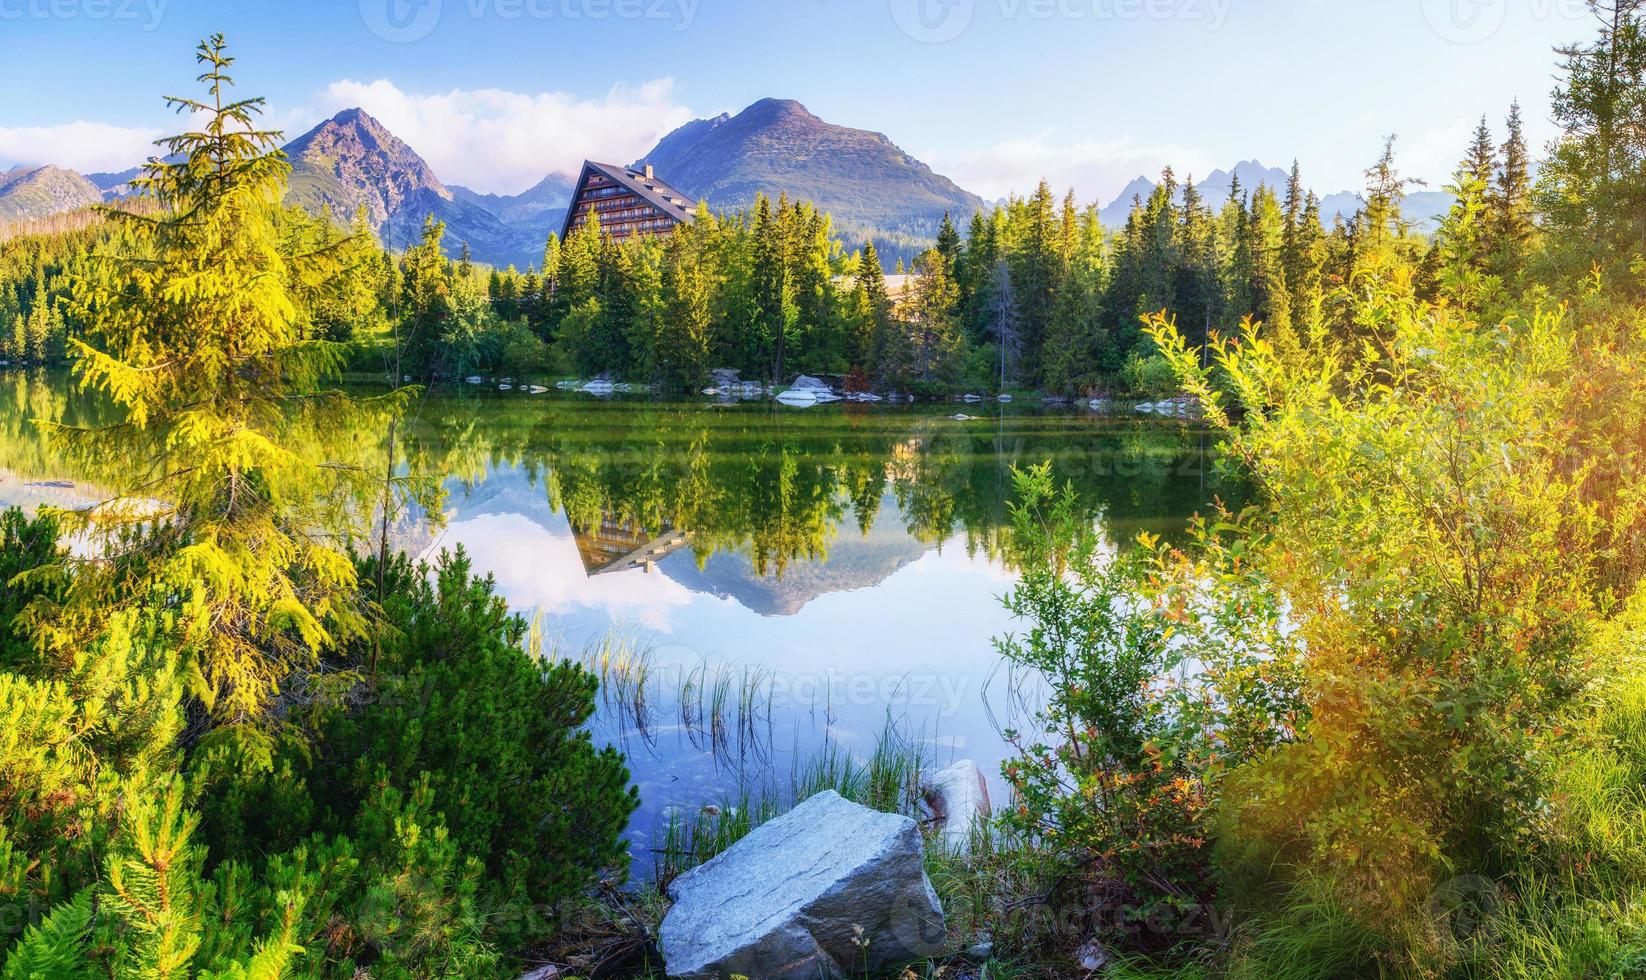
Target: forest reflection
639, 480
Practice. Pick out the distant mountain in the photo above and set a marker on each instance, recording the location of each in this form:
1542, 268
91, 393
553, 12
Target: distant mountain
874, 190
351, 161
27, 193
117, 185
539, 210
855, 561
107, 182
1422, 208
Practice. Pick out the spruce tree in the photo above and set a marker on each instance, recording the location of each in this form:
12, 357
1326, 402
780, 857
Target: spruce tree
934, 318
1592, 189
1035, 276
871, 306
975, 269
948, 242
1460, 257
686, 327
198, 346
1510, 220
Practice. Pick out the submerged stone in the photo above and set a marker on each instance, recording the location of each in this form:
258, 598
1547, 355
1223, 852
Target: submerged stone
958, 798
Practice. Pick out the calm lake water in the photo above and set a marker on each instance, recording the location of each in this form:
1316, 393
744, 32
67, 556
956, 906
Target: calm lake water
789, 581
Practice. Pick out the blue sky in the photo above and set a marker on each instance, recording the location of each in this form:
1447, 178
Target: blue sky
995, 93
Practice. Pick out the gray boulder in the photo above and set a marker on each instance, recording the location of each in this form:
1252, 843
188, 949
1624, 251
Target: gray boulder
808, 383
829, 889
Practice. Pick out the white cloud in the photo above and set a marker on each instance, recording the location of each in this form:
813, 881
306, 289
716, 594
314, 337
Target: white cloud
497, 141
1095, 169
88, 147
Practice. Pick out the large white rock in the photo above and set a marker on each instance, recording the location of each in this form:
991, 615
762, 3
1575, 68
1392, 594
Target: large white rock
829, 889
958, 798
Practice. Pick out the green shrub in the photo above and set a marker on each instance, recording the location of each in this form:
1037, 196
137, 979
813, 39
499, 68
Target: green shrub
1435, 548
25, 545
1150, 376
453, 706
1107, 795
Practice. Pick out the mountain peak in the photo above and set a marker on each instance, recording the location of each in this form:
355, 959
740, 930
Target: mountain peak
874, 190
36, 192
779, 110
351, 160
356, 116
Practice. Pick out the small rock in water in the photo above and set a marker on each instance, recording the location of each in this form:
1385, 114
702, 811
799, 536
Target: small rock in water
958, 798
830, 889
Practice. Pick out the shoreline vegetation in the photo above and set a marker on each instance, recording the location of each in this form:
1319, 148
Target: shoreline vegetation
1389, 720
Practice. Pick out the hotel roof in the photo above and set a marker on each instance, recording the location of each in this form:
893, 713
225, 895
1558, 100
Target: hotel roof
644, 185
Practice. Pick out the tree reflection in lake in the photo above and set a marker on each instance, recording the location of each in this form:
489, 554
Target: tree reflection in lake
849, 557
780, 486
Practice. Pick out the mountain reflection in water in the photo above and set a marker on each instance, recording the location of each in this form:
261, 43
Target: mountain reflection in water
848, 557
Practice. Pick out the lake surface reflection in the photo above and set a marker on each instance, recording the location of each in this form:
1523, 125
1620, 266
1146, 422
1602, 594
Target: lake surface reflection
777, 580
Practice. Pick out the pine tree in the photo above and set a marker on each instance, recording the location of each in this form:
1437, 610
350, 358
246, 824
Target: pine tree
1482, 156
872, 308
1198, 289
1461, 254
1265, 230
1305, 271
948, 243
1302, 245
1035, 274
200, 348
975, 269
934, 319
1510, 221
606, 347
1004, 322
772, 283
820, 340
686, 326
426, 301
1592, 189
1383, 242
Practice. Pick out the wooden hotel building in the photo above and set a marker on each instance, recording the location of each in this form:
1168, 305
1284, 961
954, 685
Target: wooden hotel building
630, 202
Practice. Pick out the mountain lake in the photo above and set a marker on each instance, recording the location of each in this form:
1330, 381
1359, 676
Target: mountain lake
763, 589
